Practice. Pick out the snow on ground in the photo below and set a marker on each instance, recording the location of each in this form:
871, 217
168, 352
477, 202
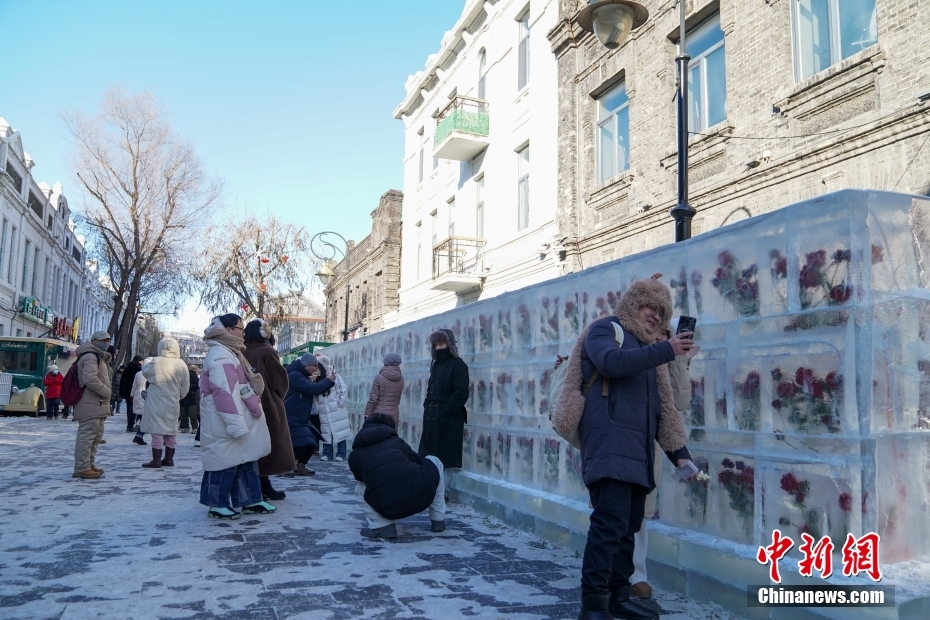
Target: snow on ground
137, 545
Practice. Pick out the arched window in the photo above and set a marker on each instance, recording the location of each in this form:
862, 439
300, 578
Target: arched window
482, 74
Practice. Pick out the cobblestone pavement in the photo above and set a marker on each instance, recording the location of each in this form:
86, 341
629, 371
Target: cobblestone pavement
135, 544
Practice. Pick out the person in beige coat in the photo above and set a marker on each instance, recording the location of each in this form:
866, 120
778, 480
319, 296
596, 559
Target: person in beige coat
93, 370
681, 393
168, 382
387, 389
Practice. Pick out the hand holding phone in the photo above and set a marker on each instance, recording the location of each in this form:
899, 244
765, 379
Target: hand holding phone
686, 324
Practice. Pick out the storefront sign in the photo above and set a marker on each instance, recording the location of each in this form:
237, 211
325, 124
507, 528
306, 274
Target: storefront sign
75, 329
61, 328
34, 311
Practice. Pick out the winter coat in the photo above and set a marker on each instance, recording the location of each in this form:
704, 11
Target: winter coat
386, 391
444, 413
398, 482
618, 432
94, 377
168, 382
193, 393
138, 386
334, 415
299, 404
117, 378
52, 385
233, 430
264, 359
127, 380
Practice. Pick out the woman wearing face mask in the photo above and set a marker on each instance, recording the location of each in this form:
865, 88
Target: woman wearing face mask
233, 430
444, 413
52, 383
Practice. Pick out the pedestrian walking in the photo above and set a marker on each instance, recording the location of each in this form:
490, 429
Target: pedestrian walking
190, 404
138, 393
52, 383
115, 398
168, 381
332, 408
679, 375
125, 391
617, 433
394, 482
265, 361
94, 405
234, 433
444, 413
386, 389
304, 383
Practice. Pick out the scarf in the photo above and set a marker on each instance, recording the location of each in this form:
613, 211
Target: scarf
217, 333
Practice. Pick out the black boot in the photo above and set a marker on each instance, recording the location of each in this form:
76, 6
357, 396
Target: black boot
594, 607
622, 607
388, 531
269, 492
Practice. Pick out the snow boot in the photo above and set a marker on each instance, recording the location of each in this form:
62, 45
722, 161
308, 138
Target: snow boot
139, 441
437, 526
621, 606
302, 470
388, 531
269, 492
221, 512
641, 590
594, 607
168, 461
155, 463
261, 508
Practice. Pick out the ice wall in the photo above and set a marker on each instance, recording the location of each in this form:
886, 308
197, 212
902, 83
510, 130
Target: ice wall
811, 407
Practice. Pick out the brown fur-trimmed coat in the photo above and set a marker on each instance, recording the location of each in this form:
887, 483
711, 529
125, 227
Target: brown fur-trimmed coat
264, 359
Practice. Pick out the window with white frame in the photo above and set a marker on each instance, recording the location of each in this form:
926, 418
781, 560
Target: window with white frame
707, 76
482, 74
613, 133
523, 188
26, 253
422, 135
479, 209
452, 217
35, 271
434, 227
12, 257
829, 31
523, 51
419, 247
3, 241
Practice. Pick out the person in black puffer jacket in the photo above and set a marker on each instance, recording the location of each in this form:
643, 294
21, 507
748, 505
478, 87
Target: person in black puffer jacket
394, 482
304, 382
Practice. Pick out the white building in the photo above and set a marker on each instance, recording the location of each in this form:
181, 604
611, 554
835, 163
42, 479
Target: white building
97, 306
41, 259
480, 161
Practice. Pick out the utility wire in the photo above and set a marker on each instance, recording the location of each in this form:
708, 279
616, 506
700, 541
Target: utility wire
912, 161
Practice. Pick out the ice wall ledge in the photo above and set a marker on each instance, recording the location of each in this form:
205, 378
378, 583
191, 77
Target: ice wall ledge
697, 565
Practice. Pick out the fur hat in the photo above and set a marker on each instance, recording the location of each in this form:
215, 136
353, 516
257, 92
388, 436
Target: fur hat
446, 336
645, 292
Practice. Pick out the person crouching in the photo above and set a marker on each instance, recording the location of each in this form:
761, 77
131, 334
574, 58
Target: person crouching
393, 481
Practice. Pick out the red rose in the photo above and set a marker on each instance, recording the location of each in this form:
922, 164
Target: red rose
789, 483
840, 294
846, 502
785, 389
809, 277
776, 404
834, 381
800, 496
726, 259
817, 389
781, 267
817, 260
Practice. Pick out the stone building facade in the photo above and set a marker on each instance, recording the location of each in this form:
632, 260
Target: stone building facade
41, 258
374, 277
794, 102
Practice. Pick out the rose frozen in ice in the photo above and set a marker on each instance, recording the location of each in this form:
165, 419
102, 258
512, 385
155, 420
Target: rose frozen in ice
834, 381
878, 254
842, 256
846, 502
739, 465
840, 294
727, 463
726, 259
776, 404
751, 385
789, 483
785, 389
804, 376
817, 260
817, 388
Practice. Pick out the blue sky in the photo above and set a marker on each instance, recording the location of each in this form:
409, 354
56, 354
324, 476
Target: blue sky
290, 102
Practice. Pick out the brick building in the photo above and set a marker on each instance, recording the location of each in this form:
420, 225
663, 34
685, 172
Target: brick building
374, 276
790, 99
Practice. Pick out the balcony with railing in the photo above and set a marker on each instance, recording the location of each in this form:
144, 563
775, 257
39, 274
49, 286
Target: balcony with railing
462, 129
458, 265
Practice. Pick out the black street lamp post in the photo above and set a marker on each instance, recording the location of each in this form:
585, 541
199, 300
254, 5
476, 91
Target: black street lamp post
611, 21
325, 273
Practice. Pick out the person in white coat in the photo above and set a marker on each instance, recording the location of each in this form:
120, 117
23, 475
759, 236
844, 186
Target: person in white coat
233, 430
334, 415
168, 382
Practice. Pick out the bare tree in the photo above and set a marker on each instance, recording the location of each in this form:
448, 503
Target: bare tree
145, 195
254, 269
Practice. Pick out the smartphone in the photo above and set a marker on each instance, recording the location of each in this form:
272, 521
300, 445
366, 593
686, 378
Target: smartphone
683, 473
686, 324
